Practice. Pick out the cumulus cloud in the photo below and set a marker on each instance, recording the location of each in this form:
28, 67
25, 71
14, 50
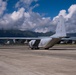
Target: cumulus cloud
70, 19
17, 15
23, 19
2, 6
71, 11
33, 21
26, 4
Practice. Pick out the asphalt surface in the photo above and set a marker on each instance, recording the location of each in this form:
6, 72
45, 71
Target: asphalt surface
20, 60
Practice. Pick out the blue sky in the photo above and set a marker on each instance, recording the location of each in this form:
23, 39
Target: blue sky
48, 7
37, 15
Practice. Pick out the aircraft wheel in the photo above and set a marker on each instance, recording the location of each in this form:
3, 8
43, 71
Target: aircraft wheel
37, 48
34, 48
46, 48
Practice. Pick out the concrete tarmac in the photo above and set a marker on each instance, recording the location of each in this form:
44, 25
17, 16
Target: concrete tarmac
20, 60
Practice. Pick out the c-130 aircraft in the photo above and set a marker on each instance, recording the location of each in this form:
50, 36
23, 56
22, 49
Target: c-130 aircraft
47, 42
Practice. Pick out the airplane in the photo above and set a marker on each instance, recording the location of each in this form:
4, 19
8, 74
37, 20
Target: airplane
47, 42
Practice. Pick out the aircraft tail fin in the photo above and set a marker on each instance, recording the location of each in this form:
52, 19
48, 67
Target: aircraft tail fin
60, 30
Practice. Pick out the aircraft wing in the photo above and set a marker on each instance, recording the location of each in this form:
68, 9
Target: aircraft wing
26, 38
70, 38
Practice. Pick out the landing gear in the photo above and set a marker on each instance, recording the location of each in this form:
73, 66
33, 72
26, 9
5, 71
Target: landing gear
46, 48
34, 48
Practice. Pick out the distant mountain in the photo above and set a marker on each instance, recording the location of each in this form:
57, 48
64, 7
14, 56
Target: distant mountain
19, 33
71, 34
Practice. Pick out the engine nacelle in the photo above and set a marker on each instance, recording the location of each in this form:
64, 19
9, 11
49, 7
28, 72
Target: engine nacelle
31, 43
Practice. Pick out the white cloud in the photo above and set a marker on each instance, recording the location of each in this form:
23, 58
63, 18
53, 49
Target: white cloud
27, 15
26, 4
62, 12
24, 20
71, 11
29, 20
17, 15
34, 22
44, 30
70, 19
2, 6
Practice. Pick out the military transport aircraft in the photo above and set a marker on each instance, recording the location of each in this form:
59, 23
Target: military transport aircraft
46, 43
